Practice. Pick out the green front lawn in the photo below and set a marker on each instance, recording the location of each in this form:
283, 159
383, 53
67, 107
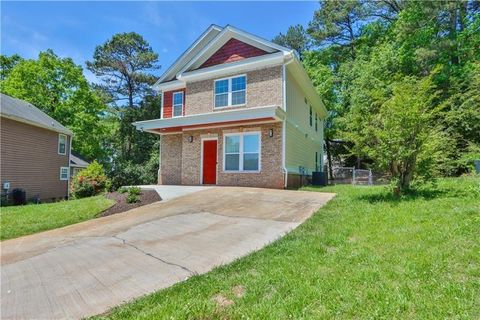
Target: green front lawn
22, 220
363, 255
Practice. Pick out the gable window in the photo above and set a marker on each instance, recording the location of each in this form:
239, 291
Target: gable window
311, 116
230, 91
242, 152
62, 144
316, 122
178, 104
63, 173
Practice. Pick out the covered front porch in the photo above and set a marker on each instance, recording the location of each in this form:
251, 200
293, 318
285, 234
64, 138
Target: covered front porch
242, 147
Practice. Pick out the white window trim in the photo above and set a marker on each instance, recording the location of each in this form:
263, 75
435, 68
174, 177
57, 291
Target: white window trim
173, 103
229, 92
68, 173
241, 153
58, 146
201, 159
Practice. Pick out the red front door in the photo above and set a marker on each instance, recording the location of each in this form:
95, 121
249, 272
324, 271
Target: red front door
209, 162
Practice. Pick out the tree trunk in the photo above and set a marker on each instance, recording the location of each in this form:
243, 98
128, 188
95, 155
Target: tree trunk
329, 159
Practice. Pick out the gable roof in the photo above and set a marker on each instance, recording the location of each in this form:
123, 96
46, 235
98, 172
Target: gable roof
77, 161
201, 41
222, 38
22, 111
192, 66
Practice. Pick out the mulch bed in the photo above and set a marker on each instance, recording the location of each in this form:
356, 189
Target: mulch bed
121, 205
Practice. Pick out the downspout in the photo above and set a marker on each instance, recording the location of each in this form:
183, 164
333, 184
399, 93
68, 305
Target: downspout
69, 174
289, 58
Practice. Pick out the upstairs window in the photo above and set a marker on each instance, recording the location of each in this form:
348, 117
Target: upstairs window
316, 122
230, 91
178, 104
62, 144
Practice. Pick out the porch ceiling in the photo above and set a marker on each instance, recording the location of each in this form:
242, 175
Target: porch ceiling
213, 119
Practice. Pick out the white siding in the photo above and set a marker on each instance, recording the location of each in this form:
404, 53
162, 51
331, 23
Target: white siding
302, 141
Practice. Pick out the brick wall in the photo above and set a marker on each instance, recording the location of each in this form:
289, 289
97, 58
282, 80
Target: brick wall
29, 160
264, 88
170, 159
233, 50
271, 175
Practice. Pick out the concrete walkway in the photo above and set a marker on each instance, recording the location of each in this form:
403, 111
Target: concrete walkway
171, 192
87, 268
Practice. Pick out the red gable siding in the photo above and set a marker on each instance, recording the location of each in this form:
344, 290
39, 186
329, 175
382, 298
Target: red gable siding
233, 50
168, 102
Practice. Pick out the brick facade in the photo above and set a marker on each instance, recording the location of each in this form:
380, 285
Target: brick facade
170, 171
264, 88
233, 50
186, 163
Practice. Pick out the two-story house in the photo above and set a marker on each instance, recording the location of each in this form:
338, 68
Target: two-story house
237, 110
34, 151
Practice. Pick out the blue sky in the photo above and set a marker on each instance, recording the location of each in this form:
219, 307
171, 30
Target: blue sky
73, 29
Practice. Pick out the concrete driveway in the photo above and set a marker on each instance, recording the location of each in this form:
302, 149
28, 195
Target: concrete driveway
87, 268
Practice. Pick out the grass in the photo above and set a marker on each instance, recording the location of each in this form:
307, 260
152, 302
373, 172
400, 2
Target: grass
22, 220
364, 255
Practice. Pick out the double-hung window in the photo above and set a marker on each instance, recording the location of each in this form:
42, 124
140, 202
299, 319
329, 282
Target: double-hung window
62, 144
242, 152
316, 122
230, 91
178, 104
64, 173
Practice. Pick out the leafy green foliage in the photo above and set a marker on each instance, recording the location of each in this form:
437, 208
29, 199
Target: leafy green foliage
132, 198
58, 87
7, 63
134, 190
121, 63
122, 189
90, 181
367, 52
296, 38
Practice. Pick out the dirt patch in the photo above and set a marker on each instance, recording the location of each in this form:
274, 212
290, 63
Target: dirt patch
121, 205
222, 301
238, 291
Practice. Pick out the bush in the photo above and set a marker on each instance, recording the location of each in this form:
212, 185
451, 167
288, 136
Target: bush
134, 190
132, 198
122, 189
90, 181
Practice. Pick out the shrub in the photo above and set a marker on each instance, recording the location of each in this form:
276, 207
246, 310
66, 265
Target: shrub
134, 190
122, 189
132, 198
90, 181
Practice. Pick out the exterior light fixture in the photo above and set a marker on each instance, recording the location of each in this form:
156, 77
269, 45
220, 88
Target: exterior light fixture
270, 133
190, 139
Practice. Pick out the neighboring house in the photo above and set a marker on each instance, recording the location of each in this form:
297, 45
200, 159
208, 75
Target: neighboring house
77, 163
237, 110
34, 151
